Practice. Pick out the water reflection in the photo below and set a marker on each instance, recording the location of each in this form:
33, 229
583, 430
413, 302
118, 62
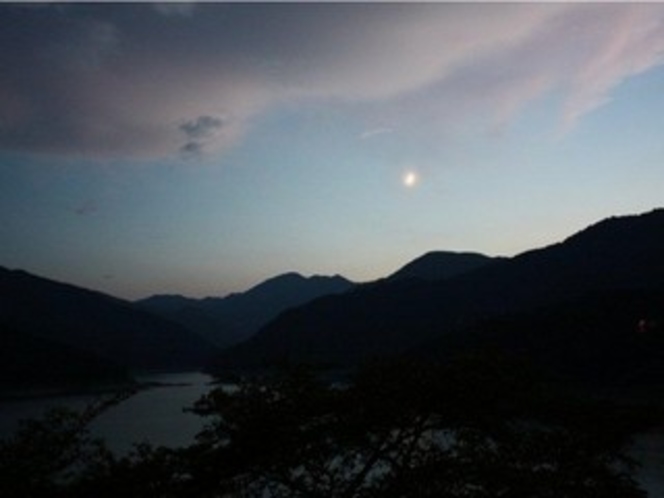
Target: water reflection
648, 449
154, 415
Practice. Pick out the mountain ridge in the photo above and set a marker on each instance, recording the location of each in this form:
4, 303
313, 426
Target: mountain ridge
90, 321
624, 253
345, 323
439, 265
235, 317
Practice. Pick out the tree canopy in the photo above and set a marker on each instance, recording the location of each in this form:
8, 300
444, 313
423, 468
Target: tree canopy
474, 428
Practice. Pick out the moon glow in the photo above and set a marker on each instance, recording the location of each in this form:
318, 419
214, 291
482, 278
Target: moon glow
410, 179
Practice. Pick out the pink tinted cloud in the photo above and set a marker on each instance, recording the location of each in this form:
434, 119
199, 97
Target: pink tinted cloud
626, 40
125, 79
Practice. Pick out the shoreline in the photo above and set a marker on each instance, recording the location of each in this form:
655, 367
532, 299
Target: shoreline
36, 393
45, 392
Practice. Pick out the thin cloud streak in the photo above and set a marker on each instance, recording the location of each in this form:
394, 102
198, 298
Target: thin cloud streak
634, 44
145, 81
376, 132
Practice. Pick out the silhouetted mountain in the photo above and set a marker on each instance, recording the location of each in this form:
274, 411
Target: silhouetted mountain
164, 303
28, 363
236, 317
438, 265
95, 323
618, 254
611, 337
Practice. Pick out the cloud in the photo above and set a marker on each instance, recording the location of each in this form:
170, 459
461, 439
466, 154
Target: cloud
366, 135
148, 81
169, 9
88, 207
192, 149
201, 127
634, 44
579, 53
198, 132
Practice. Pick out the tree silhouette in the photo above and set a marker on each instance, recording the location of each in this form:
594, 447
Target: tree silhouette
45, 456
474, 428
471, 429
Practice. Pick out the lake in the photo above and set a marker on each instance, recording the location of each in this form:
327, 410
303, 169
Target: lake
156, 415
649, 450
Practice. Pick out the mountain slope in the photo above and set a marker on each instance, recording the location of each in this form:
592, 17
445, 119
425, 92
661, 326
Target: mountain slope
611, 337
616, 254
96, 323
234, 318
438, 265
28, 363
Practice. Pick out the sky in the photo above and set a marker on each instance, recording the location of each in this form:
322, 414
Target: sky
201, 148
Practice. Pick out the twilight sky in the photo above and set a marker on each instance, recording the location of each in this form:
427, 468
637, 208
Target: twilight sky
201, 148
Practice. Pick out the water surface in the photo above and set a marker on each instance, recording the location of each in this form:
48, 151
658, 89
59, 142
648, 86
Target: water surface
155, 415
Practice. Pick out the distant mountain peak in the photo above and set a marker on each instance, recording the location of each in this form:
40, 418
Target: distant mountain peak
292, 282
438, 265
238, 315
289, 275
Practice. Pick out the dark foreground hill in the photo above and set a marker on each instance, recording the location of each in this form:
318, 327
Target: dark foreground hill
623, 254
98, 332
234, 318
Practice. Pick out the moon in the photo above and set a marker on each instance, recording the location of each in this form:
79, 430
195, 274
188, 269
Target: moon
410, 179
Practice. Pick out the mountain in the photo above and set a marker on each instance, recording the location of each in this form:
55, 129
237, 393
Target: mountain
612, 337
35, 364
236, 317
89, 324
618, 254
438, 265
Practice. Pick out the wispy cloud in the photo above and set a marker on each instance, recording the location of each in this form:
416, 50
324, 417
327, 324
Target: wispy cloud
376, 132
149, 81
86, 208
633, 44
184, 9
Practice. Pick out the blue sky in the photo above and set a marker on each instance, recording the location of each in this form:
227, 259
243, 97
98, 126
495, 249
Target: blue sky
201, 148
